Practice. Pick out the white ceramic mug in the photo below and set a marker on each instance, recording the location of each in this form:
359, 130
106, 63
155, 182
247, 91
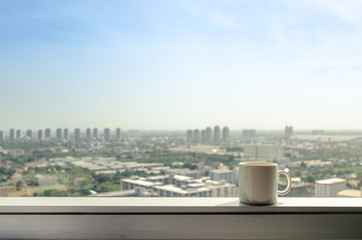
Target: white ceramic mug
258, 183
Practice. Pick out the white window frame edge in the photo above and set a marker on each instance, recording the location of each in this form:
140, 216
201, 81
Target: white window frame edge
179, 218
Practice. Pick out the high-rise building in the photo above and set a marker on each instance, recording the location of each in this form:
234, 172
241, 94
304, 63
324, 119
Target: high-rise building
249, 133
77, 134
47, 133
217, 135
225, 134
58, 134
208, 135
107, 135
95, 133
18, 134
40, 135
1, 136
196, 135
203, 136
88, 134
65, 134
288, 132
12, 134
118, 134
29, 134
329, 187
189, 135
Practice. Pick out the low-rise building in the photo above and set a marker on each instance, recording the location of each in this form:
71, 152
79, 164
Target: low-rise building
173, 191
299, 188
329, 187
221, 189
127, 193
179, 180
135, 182
78, 182
46, 180
5, 190
179, 186
185, 172
222, 174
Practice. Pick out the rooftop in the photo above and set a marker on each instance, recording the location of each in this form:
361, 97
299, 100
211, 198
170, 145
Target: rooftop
175, 189
114, 194
181, 178
330, 181
221, 171
141, 182
350, 193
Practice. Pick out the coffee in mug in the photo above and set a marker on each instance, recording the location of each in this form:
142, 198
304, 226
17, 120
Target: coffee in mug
258, 183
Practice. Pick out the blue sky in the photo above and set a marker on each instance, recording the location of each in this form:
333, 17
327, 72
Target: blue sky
181, 64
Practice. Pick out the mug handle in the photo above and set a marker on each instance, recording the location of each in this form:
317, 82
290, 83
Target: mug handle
289, 185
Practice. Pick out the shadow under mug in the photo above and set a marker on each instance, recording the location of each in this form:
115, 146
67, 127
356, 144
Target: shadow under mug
258, 183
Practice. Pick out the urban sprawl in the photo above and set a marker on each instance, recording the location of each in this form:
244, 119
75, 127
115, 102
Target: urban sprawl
191, 163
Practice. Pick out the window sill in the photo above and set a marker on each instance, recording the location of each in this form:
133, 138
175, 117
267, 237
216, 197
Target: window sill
179, 218
175, 205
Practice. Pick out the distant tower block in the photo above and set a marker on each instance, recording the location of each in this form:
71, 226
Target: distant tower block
249, 133
107, 135
47, 133
77, 134
203, 136
95, 133
29, 134
1, 136
288, 132
40, 135
208, 135
196, 135
189, 136
58, 134
66, 134
12, 134
88, 134
217, 135
225, 134
317, 132
18, 134
118, 134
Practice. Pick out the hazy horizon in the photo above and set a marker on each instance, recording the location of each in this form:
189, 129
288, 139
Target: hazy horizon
236, 130
171, 65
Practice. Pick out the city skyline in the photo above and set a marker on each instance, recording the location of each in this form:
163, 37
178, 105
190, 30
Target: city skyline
113, 130
165, 65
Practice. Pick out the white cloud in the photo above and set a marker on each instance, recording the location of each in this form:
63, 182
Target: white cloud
348, 10
215, 15
220, 19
